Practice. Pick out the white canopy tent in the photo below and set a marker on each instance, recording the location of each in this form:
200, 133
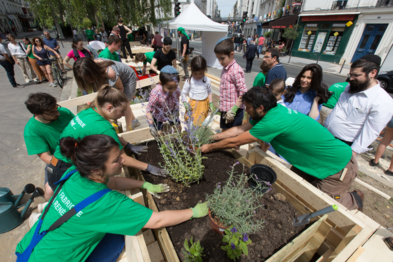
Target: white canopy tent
193, 19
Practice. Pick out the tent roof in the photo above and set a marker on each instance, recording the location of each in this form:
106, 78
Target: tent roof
193, 19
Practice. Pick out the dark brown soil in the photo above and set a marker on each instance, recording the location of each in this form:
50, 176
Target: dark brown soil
278, 214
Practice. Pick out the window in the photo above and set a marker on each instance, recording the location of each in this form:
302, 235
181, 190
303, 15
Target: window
364, 41
376, 41
325, 26
308, 37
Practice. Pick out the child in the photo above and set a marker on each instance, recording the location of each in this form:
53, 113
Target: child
260, 79
164, 101
145, 58
232, 85
278, 88
198, 88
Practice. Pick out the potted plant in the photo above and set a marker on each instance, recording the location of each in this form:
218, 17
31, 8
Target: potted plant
236, 243
234, 204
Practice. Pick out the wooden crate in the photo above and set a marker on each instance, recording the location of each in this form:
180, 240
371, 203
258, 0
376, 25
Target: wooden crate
303, 247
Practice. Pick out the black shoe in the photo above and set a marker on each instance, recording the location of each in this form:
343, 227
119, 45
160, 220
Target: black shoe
389, 173
359, 197
372, 163
15, 86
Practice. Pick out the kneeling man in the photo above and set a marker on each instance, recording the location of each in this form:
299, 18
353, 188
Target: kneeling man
312, 150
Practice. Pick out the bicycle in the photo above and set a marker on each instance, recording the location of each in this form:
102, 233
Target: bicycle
57, 75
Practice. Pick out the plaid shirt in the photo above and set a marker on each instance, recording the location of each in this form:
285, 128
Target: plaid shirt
161, 105
232, 86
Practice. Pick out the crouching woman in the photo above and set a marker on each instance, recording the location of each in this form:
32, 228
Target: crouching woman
86, 219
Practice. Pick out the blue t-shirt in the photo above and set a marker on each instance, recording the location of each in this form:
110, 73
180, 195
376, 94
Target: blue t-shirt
302, 103
52, 43
278, 71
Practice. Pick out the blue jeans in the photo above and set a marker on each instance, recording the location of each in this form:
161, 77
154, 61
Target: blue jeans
108, 250
237, 46
260, 49
9, 68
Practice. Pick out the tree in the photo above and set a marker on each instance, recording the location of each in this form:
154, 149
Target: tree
291, 34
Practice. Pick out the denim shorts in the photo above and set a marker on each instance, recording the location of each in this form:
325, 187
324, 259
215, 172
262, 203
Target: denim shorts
390, 123
237, 122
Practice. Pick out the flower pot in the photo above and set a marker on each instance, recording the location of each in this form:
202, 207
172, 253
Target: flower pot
264, 173
217, 228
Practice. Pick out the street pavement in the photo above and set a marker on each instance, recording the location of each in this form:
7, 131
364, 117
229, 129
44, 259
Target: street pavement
17, 168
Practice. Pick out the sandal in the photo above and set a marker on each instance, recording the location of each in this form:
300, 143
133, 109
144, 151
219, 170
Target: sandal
389, 173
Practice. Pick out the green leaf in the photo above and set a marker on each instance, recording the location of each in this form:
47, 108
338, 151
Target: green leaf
225, 239
244, 248
191, 241
186, 245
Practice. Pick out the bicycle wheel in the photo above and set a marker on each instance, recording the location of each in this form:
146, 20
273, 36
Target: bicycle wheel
57, 77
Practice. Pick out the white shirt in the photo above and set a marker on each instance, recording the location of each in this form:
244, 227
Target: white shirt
360, 117
197, 90
2, 51
16, 50
281, 102
75, 32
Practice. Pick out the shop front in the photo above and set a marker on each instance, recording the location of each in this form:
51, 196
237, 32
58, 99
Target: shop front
324, 38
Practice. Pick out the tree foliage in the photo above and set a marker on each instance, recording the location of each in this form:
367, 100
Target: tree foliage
134, 12
291, 33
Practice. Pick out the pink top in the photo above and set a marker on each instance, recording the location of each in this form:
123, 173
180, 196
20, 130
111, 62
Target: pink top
232, 86
161, 105
261, 40
71, 54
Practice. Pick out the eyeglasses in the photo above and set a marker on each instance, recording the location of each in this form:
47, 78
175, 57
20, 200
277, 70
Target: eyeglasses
57, 110
354, 75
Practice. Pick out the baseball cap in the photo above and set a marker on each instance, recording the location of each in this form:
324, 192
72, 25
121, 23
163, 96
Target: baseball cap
167, 41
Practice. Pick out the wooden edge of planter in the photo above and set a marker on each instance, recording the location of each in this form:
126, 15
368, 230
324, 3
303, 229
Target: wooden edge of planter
349, 230
81, 100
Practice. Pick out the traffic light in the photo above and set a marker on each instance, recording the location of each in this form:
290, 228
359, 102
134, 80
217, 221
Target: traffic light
177, 9
244, 17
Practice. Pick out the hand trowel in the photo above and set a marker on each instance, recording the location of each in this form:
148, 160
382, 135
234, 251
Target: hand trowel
305, 219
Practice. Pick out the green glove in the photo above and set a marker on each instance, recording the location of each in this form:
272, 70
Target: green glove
186, 106
200, 210
154, 189
211, 107
231, 114
234, 109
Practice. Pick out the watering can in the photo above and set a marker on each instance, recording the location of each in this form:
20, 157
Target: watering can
9, 215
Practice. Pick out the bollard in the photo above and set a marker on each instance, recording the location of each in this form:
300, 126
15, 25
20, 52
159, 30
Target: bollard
342, 66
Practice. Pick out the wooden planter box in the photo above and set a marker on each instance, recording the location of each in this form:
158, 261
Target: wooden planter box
303, 247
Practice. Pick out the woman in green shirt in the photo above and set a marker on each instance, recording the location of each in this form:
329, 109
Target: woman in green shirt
33, 60
110, 103
96, 231
260, 79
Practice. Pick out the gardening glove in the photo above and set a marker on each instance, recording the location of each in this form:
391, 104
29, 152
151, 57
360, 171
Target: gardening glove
211, 108
156, 171
136, 150
230, 115
200, 210
182, 58
153, 130
154, 189
187, 106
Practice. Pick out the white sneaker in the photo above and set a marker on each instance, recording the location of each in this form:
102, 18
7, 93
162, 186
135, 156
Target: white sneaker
135, 123
50, 84
40, 207
33, 218
54, 84
36, 80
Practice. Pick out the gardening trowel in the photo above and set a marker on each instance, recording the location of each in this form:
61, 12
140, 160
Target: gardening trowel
305, 219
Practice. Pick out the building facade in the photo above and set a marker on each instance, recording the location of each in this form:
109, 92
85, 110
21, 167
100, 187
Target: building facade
343, 31
15, 14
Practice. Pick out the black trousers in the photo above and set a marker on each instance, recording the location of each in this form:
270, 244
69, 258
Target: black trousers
249, 65
126, 44
9, 68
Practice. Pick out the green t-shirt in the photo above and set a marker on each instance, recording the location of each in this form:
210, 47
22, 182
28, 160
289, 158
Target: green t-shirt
89, 34
108, 55
41, 138
302, 141
31, 52
87, 123
75, 240
130, 37
259, 80
336, 91
149, 57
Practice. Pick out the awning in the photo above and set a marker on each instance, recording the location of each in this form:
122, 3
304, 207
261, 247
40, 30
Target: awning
328, 18
281, 23
328, 13
24, 18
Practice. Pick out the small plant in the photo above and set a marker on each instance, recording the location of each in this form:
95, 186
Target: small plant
193, 253
235, 204
267, 34
237, 243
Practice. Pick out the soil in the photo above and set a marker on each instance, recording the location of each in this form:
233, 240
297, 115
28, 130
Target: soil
278, 213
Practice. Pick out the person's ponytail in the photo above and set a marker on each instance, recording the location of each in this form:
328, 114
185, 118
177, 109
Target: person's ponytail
89, 153
111, 95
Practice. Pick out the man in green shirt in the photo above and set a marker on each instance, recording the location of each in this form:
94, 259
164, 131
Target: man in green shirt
89, 34
114, 44
327, 108
311, 149
145, 58
43, 130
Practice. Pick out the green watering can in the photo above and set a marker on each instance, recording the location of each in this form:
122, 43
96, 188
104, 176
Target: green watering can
10, 218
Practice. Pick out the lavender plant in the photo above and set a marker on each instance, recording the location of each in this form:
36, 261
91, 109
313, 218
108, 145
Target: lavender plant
235, 204
236, 243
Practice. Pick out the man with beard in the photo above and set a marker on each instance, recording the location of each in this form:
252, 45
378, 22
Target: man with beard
277, 70
313, 152
43, 130
363, 109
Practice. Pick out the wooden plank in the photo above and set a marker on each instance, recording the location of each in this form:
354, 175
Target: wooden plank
375, 250
137, 136
305, 192
369, 222
155, 252
81, 100
148, 236
356, 255
292, 249
379, 192
346, 241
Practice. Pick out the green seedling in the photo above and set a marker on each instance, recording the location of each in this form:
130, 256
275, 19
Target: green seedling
193, 253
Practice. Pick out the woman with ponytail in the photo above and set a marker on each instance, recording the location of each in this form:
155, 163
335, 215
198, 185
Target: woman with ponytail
110, 103
94, 231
